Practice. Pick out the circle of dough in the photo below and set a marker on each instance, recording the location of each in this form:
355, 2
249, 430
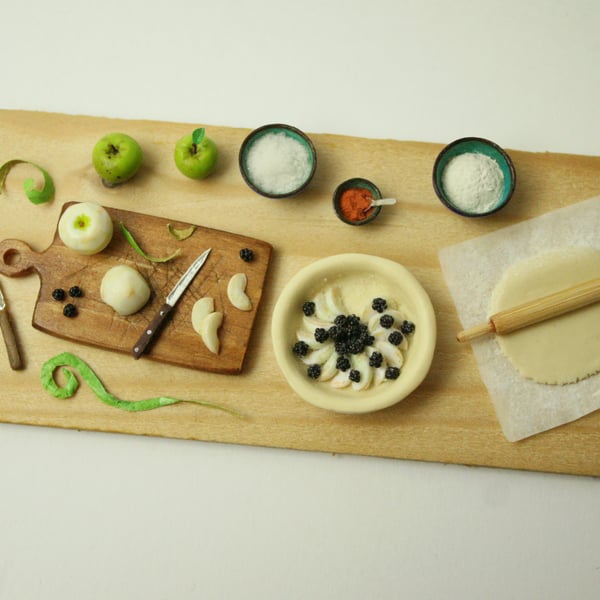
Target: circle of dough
562, 350
361, 277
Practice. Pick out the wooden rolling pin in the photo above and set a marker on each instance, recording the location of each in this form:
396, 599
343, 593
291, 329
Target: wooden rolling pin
536, 311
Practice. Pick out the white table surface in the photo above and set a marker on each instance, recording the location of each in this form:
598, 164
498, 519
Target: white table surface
91, 515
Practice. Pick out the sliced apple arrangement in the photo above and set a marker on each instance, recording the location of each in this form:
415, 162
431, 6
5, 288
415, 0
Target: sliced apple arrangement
206, 322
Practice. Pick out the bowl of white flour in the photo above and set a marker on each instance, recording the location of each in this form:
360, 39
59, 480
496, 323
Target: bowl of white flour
474, 177
277, 160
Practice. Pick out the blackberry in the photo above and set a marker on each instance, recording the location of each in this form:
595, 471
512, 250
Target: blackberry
355, 346
379, 304
321, 335
369, 340
341, 347
352, 321
386, 321
246, 254
340, 320
392, 373
75, 292
395, 338
308, 308
342, 363
58, 294
333, 332
407, 327
354, 376
300, 348
313, 371
376, 360
70, 310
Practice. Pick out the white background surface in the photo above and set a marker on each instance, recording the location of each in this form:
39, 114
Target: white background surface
90, 515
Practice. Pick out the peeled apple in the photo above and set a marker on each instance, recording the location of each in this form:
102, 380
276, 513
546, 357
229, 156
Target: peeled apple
124, 290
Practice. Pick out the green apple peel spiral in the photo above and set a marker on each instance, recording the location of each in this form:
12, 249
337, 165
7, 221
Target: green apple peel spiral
35, 196
66, 359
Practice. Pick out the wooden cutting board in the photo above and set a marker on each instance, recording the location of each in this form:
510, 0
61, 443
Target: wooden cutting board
449, 418
97, 324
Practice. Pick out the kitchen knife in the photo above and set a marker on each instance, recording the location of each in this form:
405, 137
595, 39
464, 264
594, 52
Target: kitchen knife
8, 334
171, 300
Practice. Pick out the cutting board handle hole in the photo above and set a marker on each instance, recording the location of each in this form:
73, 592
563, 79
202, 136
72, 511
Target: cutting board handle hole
11, 257
16, 258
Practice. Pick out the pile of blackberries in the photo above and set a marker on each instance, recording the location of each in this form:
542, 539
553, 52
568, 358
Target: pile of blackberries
69, 309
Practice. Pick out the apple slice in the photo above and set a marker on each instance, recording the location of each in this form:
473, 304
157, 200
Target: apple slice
201, 309
209, 331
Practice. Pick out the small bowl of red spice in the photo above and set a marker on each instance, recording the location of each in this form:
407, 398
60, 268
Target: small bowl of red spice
352, 201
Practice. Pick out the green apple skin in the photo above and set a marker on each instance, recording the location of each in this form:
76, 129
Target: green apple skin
117, 157
86, 227
195, 161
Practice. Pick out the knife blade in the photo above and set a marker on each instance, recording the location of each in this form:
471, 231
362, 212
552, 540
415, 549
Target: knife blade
167, 307
14, 358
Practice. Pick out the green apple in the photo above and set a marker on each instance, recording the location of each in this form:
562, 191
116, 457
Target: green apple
85, 227
117, 157
196, 155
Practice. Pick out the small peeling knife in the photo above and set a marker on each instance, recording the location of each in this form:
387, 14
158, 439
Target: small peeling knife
14, 358
167, 307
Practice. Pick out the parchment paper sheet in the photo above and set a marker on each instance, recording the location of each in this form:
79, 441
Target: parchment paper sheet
473, 268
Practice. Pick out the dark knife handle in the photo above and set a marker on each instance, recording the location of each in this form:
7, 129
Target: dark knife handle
151, 330
14, 358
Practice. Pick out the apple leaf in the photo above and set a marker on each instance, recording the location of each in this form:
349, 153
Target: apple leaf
137, 248
198, 136
181, 234
35, 196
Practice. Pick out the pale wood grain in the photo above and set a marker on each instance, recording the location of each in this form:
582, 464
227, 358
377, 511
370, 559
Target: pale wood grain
449, 419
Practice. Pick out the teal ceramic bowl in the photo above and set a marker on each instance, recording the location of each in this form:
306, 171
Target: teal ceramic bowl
474, 145
356, 182
277, 160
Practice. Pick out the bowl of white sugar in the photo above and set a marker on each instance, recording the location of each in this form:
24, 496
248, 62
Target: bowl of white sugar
474, 177
277, 160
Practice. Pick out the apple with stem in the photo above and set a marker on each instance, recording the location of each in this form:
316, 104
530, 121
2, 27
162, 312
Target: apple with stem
85, 227
117, 157
196, 154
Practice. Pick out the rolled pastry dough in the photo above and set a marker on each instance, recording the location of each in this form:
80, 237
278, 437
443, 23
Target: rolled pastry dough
562, 350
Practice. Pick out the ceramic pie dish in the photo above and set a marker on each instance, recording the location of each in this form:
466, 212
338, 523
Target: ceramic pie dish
358, 279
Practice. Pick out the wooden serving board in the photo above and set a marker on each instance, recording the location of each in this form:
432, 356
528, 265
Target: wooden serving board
449, 418
97, 324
